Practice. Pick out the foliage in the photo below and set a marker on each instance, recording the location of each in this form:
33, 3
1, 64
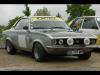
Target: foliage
42, 12
12, 22
2, 27
27, 11
76, 10
58, 15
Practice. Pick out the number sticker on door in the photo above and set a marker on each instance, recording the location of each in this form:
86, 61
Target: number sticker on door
22, 41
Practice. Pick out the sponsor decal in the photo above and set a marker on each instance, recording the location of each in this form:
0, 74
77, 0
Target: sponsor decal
22, 41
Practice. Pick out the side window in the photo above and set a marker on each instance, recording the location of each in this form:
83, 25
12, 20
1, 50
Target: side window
76, 24
21, 24
89, 23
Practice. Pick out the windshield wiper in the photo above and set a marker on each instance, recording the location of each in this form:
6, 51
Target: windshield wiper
40, 28
57, 28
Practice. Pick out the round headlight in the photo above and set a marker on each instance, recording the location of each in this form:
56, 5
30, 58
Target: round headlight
86, 41
70, 41
60, 42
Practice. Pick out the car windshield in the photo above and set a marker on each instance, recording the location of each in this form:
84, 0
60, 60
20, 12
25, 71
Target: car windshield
49, 25
98, 20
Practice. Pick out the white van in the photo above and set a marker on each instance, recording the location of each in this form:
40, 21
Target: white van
87, 24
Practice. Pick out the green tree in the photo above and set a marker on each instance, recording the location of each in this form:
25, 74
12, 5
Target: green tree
27, 11
58, 15
12, 22
2, 27
76, 10
42, 12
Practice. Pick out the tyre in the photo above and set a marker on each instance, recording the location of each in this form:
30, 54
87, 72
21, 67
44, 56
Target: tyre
39, 53
10, 48
85, 56
96, 50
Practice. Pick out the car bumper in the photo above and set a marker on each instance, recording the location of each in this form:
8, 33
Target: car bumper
61, 50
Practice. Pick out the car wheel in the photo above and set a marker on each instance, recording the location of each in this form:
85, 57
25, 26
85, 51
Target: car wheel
96, 50
10, 49
39, 53
85, 56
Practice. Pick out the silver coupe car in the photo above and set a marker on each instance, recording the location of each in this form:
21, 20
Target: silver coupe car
48, 35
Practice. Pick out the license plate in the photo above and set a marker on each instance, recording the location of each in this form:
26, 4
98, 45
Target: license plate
75, 52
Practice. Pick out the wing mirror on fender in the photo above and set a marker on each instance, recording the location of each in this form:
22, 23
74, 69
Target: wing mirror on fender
25, 27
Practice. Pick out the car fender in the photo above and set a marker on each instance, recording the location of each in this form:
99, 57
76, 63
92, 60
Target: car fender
39, 41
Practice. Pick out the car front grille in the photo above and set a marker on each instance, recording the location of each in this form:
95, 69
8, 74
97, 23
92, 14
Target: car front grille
81, 41
77, 42
93, 41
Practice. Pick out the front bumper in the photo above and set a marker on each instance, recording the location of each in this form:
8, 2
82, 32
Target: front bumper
62, 50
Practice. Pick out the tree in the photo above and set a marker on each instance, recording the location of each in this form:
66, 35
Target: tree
12, 22
76, 10
2, 27
58, 15
42, 12
27, 11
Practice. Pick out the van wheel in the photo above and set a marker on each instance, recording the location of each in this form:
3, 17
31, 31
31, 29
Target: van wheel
85, 56
39, 53
10, 49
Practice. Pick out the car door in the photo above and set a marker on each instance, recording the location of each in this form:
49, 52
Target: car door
22, 34
76, 24
89, 26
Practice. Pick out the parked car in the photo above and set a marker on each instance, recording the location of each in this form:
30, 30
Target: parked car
48, 35
87, 24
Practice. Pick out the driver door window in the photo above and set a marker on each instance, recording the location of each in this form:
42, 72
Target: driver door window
21, 24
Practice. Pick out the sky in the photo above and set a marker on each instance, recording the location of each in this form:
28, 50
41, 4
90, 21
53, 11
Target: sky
10, 11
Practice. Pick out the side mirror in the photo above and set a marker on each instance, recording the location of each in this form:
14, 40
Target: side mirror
25, 27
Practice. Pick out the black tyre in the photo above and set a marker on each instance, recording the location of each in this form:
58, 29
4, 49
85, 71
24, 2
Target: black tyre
10, 48
39, 53
96, 50
85, 56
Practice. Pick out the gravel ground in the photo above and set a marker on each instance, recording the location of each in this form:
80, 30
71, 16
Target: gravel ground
23, 61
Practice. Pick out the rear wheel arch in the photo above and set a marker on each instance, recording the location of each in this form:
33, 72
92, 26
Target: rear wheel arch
7, 40
10, 48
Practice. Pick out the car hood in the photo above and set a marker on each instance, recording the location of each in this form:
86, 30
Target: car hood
65, 34
71, 34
